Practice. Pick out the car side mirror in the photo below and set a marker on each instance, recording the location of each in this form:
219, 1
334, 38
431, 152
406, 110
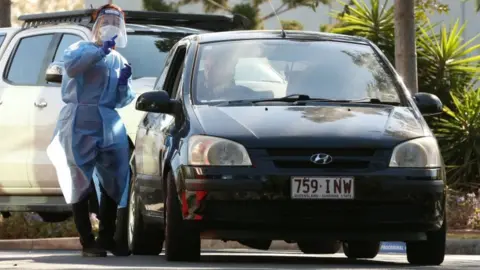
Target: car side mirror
428, 104
156, 102
54, 72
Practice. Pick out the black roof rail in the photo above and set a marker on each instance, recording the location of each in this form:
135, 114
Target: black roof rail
214, 23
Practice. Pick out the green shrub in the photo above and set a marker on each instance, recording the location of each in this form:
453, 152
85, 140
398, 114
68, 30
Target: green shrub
444, 64
375, 23
458, 134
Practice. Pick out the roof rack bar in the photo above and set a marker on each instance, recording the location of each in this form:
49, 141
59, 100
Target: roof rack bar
199, 21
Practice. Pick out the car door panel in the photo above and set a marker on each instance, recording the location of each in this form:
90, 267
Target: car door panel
146, 158
18, 88
151, 148
49, 103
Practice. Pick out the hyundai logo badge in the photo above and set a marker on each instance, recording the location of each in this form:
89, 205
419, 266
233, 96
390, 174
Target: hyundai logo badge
321, 159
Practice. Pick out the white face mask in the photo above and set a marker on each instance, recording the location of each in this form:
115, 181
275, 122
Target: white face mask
108, 32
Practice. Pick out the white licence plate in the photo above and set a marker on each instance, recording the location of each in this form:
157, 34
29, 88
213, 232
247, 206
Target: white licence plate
311, 188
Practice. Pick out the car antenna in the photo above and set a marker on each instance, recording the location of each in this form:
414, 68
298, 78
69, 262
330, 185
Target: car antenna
284, 35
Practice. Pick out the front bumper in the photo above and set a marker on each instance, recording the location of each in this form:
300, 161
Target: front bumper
392, 204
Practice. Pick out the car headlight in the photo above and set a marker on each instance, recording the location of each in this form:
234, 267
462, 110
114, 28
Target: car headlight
213, 151
417, 153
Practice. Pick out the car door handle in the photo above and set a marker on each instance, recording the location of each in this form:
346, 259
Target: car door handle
42, 104
1, 102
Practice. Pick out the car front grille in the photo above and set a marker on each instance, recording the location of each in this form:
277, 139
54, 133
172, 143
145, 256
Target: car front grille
290, 158
333, 165
358, 152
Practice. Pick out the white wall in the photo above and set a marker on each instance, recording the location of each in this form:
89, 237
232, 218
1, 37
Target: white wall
124, 4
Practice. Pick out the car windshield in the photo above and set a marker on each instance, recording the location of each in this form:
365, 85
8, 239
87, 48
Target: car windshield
147, 52
263, 69
256, 69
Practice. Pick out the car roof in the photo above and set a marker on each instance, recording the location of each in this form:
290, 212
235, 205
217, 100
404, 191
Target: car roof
275, 34
8, 30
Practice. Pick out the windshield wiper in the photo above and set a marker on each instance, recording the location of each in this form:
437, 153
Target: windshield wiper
301, 97
294, 98
375, 101
290, 98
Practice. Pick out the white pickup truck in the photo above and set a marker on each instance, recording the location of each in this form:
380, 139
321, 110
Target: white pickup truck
30, 99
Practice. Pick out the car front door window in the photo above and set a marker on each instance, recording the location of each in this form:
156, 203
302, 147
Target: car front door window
67, 40
28, 63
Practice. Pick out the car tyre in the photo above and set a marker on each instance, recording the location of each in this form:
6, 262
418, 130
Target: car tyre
361, 249
142, 238
431, 251
182, 243
319, 247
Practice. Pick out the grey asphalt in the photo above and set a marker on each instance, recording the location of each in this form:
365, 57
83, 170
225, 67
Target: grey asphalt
222, 259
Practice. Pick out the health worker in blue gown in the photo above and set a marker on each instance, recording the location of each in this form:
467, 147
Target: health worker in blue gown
90, 137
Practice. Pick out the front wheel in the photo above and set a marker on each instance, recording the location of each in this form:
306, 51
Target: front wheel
181, 242
143, 238
431, 251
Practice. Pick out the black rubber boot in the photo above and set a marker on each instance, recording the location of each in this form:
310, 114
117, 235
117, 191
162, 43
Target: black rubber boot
107, 227
84, 228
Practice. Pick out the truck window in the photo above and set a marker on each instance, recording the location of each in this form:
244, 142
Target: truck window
2, 38
147, 52
26, 67
67, 40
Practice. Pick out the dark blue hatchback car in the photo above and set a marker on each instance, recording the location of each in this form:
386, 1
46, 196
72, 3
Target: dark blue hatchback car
306, 137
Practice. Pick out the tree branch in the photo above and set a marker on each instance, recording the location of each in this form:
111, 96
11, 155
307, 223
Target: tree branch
272, 14
212, 2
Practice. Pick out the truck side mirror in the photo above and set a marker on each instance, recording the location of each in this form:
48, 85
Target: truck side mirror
54, 72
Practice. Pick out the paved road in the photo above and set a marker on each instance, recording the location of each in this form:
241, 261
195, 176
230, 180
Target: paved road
215, 260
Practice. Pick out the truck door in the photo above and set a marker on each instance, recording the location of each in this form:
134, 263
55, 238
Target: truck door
22, 67
49, 104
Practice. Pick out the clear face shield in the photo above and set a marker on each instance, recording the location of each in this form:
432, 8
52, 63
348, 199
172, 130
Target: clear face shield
110, 23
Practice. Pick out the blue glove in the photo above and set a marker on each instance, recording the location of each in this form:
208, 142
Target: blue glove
108, 45
125, 74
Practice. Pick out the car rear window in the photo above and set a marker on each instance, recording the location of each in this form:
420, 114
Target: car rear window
319, 69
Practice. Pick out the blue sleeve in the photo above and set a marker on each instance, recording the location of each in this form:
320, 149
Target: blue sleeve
80, 56
125, 94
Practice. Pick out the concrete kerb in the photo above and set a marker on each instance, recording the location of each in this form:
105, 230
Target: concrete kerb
454, 246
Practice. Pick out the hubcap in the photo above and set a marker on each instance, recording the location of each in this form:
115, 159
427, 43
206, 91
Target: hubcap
131, 217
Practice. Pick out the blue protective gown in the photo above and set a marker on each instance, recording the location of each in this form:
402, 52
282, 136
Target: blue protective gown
90, 137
